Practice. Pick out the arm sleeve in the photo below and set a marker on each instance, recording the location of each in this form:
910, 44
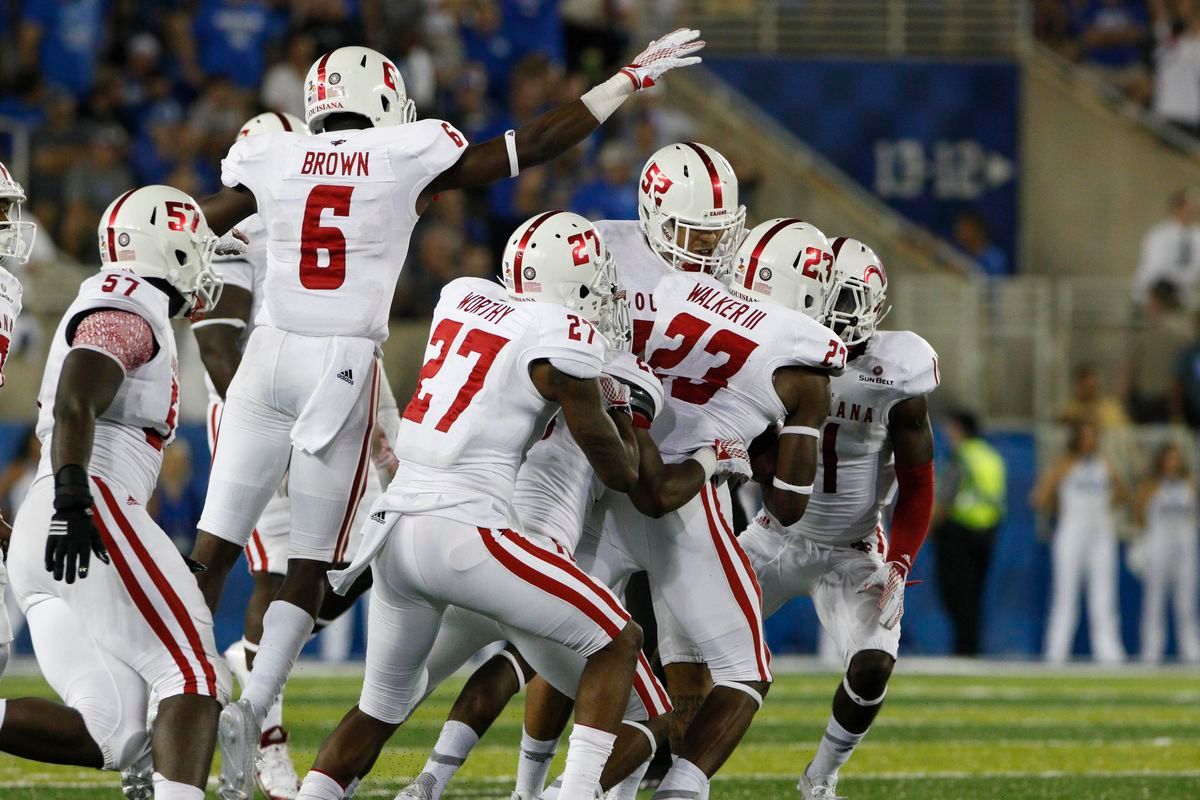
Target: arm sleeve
121, 335
436, 145
914, 510
238, 165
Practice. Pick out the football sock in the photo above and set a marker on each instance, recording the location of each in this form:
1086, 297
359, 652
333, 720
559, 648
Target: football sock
628, 788
587, 750
352, 788
684, 780
3, 711
453, 746
836, 746
319, 786
274, 717
285, 629
534, 763
170, 790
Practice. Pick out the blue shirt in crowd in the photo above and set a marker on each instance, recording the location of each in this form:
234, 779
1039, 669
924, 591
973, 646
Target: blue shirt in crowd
72, 38
232, 39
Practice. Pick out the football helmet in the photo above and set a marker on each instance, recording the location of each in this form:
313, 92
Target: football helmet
16, 234
785, 261
859, 291
356, 80
559, 257
272, 122
688, 208
160, 232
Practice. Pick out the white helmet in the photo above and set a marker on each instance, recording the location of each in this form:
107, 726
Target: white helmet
859, 291
689, 189
356, 80
160, 232
786, 261
272, 122
558, 257
13, 230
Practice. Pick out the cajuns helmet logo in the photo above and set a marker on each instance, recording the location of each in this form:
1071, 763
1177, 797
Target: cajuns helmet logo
656, 183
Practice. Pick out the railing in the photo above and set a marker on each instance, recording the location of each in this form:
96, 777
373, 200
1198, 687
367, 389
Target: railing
929, 28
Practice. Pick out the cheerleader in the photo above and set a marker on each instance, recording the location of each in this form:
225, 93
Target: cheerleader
1084, 486
1165, 507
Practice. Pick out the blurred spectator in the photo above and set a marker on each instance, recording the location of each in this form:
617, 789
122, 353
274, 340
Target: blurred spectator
1165, 509
1177, 65
596, 33
972, 235
1162, 332
232, 38
1091, 404
614, 193
62, 40
283, 86
1185, 392
1113, 35
1081, 490
18, 473
1171, 249
177, 500
970, 505
535, 26
437, 253
91, 185
58, 145
485, 42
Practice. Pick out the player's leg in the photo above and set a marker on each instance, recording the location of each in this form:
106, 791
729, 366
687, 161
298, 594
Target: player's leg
1069, 561
1103, 617
707, 582
868, 650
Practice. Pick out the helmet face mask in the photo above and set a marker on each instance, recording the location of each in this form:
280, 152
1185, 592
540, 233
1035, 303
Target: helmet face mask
700, 245
859, 297
16, 235
356, 80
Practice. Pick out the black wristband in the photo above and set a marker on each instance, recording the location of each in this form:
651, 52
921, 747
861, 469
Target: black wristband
72, 490
641, 401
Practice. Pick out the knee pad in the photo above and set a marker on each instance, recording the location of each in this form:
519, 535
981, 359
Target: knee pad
868, 675
741, 687
392, 704
5, 650
118, 730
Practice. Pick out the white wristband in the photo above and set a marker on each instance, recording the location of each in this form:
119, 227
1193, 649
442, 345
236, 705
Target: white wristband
707, 459
799, 430
791, 487
604, 99
510, 141
231, 321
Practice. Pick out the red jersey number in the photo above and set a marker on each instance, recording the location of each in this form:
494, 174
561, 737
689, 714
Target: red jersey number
316, 238
113, 282
475, 342
723, 342
836, 357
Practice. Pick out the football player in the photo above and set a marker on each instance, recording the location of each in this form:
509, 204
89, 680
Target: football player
501, 363
221, 337
114, 610
16, 241
875, 441
339, 208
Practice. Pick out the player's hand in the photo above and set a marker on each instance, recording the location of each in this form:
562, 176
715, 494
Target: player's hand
662, 55
232, 244
73, 535
889, 580
733, 462
385, 456
615, 395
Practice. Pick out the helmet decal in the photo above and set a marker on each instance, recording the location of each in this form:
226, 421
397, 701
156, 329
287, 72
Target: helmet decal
656, 183
112, 217
717, 190
752, 266
518, 270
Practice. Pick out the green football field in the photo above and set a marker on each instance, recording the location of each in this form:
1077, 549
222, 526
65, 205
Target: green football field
1080, 734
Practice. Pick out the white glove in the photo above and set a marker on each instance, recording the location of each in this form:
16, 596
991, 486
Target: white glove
616, 394
662, 55
733, 462
232, 244
889, 579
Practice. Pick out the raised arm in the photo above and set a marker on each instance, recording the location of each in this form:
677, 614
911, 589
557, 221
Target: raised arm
600, 424
805, 392
219, 336
561, 128
227, 208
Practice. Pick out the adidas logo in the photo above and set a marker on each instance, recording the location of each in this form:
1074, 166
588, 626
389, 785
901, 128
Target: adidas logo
377, 517
347, 375
130, 501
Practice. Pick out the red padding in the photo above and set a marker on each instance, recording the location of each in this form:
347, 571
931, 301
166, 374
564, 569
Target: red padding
914, 510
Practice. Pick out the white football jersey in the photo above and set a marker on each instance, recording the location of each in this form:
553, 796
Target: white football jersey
10, 309
639, 269
856, 474
717, 355
246, 271
132, 432
475, 411
339, 210
555, 487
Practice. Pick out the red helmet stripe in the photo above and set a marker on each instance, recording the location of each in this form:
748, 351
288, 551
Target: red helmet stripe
717, 189
752, 267
287, 126
837, 245
4, 170
112, 218
518, 281
321, 76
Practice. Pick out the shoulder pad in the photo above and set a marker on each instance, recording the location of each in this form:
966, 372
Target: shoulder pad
914, 359
436, 144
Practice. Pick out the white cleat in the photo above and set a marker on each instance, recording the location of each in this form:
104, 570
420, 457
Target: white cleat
137, 780
824, 788
238, 735
422, 788
235, 657
273, 770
